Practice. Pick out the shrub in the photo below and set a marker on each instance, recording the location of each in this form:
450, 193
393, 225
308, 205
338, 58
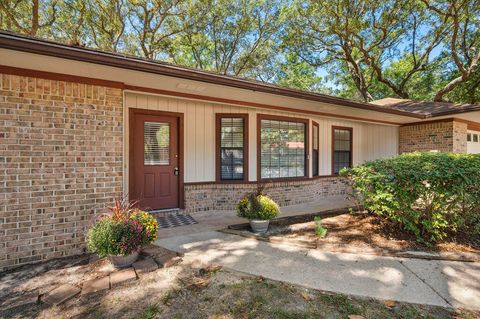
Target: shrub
103, 237
124, 230
257, 206
430, 195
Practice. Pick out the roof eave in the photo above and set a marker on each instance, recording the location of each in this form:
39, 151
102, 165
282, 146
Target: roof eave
44, 47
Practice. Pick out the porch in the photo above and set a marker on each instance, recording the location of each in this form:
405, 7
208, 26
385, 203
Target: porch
218, 219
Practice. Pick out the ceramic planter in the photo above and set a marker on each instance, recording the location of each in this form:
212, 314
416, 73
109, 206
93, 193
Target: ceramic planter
259, 226
124, 261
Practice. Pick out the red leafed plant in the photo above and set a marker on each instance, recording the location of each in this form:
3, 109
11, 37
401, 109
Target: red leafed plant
122, 208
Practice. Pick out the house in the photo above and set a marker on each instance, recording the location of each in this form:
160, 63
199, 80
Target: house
79, 126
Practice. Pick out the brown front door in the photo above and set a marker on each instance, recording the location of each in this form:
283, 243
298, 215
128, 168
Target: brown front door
155, 147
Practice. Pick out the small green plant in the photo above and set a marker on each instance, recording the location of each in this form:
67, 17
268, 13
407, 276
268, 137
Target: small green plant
320, 231
151, 312
121, 232
257, 206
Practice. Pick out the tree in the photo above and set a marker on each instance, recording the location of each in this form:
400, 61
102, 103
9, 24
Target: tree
297, 74
70, 26
106, 20
463, 43
366, 37
28, 17
155, 22
232, 37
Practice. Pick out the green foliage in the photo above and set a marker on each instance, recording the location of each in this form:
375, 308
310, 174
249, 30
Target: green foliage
255, 206
103, 237
320, 231
298, 74
114, 236
431, 195
325, 46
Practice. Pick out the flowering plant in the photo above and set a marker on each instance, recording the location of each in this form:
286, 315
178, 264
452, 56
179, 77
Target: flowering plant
149, 223
122, 232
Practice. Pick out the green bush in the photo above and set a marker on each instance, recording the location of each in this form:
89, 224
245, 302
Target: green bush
103, 237
255, 206
431, 195
120, 237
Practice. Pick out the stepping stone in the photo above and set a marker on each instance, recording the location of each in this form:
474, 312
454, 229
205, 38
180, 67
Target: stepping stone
153, 250
144, 266
61, 294
95, 285
26, 299
168, 260
122, 277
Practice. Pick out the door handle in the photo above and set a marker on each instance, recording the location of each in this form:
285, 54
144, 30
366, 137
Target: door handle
176, 171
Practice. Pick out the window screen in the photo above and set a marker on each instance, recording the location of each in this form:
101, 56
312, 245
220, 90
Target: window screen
315, 150
342, 153
232, 152
282, 148
156, 147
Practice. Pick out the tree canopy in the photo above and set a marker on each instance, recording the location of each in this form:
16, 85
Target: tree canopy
359, 49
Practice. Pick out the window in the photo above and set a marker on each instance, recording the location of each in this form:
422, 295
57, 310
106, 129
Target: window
342, 148
315, 155
282, 147
475, 138
156, 148
469, 137
232, 147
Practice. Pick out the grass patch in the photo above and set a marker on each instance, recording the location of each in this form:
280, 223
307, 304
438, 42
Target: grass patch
259, 298
151, 312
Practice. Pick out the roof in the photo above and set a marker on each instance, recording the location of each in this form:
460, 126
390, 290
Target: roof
419, 110
425, 108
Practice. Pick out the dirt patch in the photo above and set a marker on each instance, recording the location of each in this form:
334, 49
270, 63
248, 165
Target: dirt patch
361, 233
226, 294
183, 291
365, 231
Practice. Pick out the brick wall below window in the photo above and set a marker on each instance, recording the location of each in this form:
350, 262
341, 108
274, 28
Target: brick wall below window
205, 197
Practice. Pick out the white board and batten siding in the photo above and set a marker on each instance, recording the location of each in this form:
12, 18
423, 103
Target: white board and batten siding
370, 141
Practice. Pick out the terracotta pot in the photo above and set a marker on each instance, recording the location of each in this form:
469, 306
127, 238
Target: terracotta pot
259, 226
124, 261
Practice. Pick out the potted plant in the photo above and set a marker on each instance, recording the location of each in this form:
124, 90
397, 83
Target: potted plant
120, 234
258, 209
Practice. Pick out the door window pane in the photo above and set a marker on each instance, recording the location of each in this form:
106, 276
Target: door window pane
156, 148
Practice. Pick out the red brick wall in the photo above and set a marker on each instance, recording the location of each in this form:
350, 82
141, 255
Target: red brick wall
60, 163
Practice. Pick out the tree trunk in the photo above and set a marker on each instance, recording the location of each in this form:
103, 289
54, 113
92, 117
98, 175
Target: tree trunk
35, 25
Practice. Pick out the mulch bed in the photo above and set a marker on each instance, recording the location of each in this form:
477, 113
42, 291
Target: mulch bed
361, 232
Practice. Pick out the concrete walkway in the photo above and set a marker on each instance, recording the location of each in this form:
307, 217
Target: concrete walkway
214, 220
440, 283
